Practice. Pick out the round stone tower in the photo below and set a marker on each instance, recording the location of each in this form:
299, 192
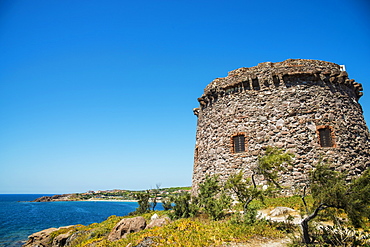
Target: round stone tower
307, 107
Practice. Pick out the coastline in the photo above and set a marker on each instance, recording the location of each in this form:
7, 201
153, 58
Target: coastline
105, 200
71, 198
115, 195
86, 200
22, 218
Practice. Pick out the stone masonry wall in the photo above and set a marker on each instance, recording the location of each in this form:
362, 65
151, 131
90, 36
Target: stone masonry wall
283, 105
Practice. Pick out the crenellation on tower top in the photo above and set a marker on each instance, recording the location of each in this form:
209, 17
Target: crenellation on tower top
270, 74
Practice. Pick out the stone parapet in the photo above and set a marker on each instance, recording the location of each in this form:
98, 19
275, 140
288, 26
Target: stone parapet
290, 72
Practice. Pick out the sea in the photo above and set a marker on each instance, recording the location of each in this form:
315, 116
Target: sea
19, 217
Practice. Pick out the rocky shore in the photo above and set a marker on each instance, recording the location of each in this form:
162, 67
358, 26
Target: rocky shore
69, 234
64, 197
70, 197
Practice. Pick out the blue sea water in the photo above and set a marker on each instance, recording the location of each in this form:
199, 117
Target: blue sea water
19, 217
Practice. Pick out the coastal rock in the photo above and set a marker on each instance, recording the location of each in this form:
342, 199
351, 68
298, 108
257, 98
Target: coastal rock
40, 239
126, 226
61, 240
43, 199
73, 236
43, 238
64, 197
158, 222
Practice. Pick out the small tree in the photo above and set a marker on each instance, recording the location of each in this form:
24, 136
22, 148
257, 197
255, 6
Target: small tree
166, 203
268, 165
212, 199
271, 163
359, 196
143, 201
244, 189
208, 190
154, 195
183, 207
330, 190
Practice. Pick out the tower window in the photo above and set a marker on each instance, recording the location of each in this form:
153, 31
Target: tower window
196, 152
238, 142
326, 136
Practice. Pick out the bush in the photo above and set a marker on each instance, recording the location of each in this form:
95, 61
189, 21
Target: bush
183, 207
212, 198
341, 236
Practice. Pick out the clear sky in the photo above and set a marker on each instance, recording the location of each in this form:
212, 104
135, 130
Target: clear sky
99, 94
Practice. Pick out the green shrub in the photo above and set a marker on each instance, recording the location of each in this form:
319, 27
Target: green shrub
183, 207
212, 199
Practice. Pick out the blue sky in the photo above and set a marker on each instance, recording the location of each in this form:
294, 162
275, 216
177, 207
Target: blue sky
99, 94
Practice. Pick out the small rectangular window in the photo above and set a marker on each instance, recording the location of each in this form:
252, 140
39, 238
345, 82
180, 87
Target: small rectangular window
325, 137
239, 143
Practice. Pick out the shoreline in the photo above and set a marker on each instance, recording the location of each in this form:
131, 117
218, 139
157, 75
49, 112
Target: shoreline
87, 200
105, 200
71, 198
114, 195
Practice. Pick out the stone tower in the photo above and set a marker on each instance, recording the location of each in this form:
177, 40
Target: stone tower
307, 107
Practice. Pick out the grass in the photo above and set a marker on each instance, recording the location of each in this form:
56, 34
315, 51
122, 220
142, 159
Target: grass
294, 202
199, 231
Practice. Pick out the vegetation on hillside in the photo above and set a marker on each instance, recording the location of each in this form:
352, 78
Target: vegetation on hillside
334, 198
211, 218
117, 194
